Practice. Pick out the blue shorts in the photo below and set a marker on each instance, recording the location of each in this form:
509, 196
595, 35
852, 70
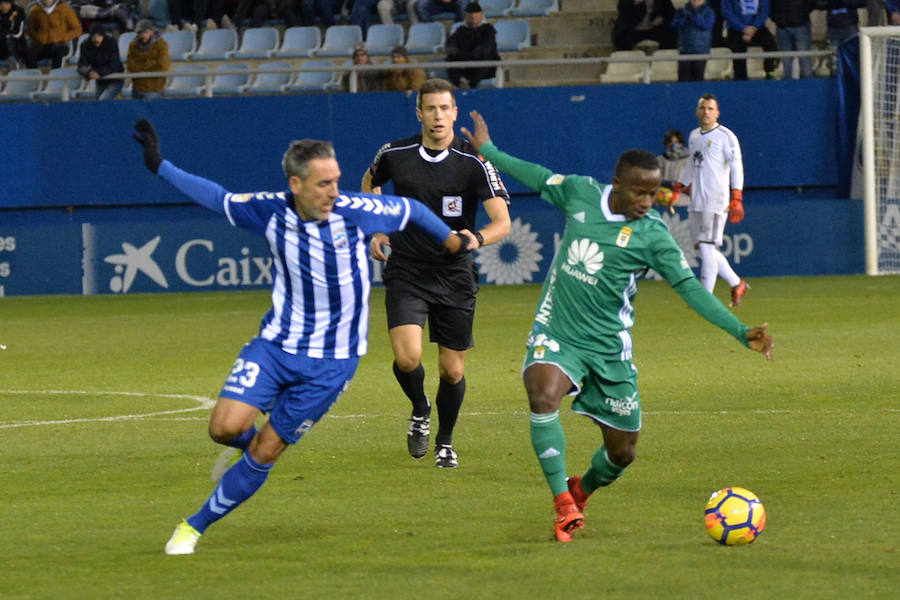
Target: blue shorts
294, 389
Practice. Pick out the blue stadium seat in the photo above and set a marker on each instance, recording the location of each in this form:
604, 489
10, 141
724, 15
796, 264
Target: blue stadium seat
216, 44
512, 35
257, 42
186, 85
534, 8
299, 42
426, 38
182, 44
125, 39
314, 81
496, 8
19, 86
339, 40
271, 83
54, 88
231, 78
76, 54
381, 39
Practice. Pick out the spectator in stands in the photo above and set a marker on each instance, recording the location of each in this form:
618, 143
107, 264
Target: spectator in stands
893, 9
406, 80
99, 57
361, 14
640, 20
842, 22
323, 10
366, 81
693, 22
746, 23
12, 32
427, 10
52, 25
147, 52
210, 14
475, 39
674, 159
125, 14
794, 32
388, 8
259, 11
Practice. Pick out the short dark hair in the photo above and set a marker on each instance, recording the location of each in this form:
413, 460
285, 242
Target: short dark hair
300, 152
708, 96
636, 158
434, 86
673, 133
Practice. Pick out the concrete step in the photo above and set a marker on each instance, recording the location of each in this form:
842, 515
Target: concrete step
568, 6
564, 29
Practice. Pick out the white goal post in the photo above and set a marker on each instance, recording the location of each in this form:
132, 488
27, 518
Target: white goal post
879, 63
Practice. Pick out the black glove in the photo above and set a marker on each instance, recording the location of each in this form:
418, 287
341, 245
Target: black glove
145, 135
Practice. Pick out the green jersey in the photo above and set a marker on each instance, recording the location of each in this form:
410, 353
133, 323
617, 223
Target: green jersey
588, 296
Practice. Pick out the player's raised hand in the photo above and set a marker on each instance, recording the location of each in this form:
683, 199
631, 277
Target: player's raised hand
761, 341
481, 135
145, 135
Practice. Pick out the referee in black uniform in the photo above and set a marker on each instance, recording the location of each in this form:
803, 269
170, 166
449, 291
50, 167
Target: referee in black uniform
422, 281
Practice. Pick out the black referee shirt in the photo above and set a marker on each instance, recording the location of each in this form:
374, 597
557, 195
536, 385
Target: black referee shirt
451, 183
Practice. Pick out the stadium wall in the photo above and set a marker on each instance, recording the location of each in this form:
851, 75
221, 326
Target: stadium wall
79, 214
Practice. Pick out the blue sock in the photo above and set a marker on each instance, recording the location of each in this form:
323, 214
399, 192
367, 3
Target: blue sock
239, 483
242, 441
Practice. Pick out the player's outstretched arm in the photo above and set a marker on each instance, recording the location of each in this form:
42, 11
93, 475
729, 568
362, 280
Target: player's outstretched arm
481, 135
761, 341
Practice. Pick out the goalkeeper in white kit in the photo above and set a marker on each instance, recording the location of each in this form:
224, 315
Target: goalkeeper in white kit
580, 344
714, 178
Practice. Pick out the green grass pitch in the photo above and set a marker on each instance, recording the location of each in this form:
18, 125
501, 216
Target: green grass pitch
103, 449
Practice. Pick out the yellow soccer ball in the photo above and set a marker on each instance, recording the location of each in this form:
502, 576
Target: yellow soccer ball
734, 516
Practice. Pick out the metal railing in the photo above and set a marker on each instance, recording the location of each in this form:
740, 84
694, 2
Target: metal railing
501, 65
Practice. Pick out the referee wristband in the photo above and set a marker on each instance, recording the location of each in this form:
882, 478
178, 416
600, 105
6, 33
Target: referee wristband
480, 238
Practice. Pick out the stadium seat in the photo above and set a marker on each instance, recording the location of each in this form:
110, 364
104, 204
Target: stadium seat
299, 42
230, 78
755, 66
339, 40
625, 72
54, 88
719, 69
19, 86
512, 35
271, 83
664, 70
76, 54
426, 38
182, 44
496, 8
314, 81
381, 38
124, 41
534, 8
216, 44
186, 85
257, 42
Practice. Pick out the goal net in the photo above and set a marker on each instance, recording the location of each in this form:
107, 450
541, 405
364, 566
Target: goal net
880, 83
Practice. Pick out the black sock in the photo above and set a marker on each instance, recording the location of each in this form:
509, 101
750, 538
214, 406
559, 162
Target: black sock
413, 385
449, 400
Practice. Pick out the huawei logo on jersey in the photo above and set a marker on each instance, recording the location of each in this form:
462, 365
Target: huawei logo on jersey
585, 253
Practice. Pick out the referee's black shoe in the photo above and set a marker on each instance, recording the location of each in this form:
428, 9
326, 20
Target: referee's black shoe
417, 436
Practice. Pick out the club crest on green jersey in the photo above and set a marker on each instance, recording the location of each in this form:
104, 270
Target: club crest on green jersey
623, 237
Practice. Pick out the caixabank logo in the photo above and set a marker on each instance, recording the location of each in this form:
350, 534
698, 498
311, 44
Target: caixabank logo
167, 262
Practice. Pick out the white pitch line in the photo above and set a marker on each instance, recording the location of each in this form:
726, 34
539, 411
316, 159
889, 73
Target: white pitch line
204, 404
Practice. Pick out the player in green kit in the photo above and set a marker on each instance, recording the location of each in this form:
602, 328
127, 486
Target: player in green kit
581, 342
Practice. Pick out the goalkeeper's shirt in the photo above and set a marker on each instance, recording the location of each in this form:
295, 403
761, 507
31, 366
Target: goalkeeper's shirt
587, 299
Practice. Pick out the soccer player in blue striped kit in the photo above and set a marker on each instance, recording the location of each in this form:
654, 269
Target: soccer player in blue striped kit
310, 341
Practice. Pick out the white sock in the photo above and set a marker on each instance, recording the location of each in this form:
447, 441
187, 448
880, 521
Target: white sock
709, 267
725, 270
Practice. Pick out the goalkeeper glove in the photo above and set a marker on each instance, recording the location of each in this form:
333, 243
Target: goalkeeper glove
736, 207
145, 135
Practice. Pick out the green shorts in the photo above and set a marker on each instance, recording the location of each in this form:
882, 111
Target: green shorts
605, 390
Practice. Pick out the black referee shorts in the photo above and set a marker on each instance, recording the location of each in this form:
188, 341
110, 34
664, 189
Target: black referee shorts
444, 296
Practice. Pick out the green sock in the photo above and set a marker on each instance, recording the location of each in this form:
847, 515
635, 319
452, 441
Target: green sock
602, 472
549, 443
